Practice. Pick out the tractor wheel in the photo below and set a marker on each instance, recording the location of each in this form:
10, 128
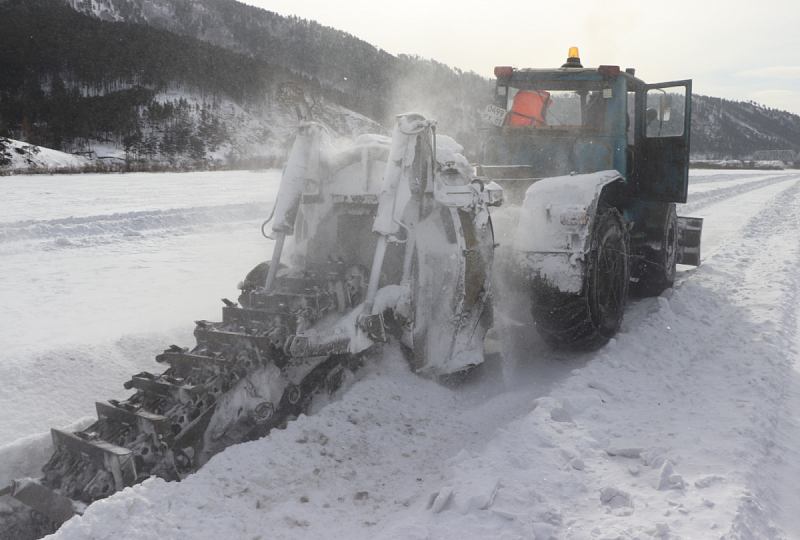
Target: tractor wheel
656, 272
588, 320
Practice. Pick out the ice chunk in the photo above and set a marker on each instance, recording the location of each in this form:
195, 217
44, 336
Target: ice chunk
461, 457
707, 481
654, 458
542, 531
559, 414
504, 514
476, 496
439, 500
667, 479
624, 448
615, 498
578, 404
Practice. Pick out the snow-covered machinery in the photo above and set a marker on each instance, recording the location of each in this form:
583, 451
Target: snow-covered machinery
597, 159
391, 241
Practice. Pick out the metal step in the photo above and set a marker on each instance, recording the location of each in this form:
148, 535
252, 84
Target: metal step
690, 230
154, 425
285, 302
211, 335
45, 501
249, 318
115, 459
175, 358
159, 386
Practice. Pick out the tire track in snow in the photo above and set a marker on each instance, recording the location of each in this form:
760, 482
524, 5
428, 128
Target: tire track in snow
129, 223
774, 231
731, 208
701, 176
698, 201
751, 266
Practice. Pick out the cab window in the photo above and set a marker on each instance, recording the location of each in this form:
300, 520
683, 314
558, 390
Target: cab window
664, 113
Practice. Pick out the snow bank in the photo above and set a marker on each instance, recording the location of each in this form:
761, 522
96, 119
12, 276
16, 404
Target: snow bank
17, 156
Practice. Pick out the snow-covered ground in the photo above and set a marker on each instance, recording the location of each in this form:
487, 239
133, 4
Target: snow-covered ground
684, 427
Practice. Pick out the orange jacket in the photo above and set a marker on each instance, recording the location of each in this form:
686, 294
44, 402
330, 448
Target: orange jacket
529, 108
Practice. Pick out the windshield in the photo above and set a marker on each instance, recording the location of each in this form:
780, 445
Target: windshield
543, 107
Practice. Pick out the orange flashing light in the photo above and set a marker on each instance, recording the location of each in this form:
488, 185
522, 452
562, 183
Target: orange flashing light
573, 59
503, 71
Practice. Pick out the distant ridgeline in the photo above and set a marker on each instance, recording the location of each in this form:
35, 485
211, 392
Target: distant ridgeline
165, 79
736, 130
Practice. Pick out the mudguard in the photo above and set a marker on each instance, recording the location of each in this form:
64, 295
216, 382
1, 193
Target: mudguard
690, 230
555, 222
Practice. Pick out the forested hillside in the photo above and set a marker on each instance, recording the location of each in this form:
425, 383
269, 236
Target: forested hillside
194, 81
70, 81
376, 84
339, 66
723, 128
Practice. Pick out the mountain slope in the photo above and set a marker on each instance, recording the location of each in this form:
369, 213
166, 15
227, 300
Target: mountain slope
368, 80
76, 83
189, 82
339, 66
723, 128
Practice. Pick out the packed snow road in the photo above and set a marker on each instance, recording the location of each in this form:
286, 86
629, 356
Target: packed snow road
685, 426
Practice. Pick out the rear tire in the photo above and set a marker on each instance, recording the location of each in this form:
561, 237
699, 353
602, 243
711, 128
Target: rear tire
588, 320
656, 271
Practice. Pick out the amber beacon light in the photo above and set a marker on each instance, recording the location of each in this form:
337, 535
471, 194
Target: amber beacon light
573, 59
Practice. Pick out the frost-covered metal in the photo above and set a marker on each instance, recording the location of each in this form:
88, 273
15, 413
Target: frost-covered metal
553, 237
384, 240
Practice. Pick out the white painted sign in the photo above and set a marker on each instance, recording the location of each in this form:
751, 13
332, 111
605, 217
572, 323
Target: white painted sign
494, 115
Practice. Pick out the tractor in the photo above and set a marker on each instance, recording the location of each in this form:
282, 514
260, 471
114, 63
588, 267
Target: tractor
595, 160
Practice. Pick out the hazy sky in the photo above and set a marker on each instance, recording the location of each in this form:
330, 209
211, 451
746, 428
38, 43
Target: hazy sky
736, 49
